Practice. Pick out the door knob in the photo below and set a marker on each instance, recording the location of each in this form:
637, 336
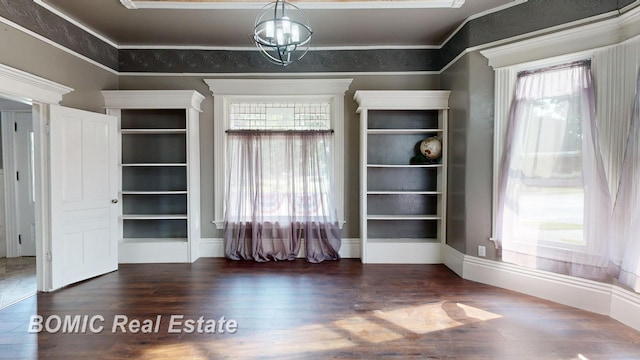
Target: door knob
114, 201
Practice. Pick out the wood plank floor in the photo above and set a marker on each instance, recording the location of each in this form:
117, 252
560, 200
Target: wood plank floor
295, 310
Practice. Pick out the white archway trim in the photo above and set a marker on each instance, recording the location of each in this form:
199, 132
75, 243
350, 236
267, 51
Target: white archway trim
22, 86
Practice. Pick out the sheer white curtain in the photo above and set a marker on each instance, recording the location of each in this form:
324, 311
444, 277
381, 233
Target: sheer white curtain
280, 193
626, 214
614, 70
553, 202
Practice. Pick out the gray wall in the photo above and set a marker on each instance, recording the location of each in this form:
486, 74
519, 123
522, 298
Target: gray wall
470, 79
471, 116
352, 199
470, 154
24, 52
34, 56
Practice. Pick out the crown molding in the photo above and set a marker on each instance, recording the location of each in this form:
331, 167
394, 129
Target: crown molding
19, 85
310, 5
278, 86
401, 99
570, 41
152, 99
629, 21
129, 4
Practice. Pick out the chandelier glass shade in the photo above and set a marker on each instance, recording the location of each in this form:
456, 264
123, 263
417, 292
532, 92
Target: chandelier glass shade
282, 32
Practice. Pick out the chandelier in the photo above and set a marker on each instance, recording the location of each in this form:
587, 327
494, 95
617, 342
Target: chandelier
282, 33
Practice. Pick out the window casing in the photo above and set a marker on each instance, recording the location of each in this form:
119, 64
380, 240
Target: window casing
505, 83
246, 103
546, 171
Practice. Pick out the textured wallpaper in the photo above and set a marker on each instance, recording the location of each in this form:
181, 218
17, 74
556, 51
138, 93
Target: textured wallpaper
530, 16
41, 21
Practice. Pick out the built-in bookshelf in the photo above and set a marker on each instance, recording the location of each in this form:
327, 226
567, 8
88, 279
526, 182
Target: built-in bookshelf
159, 174
403, 196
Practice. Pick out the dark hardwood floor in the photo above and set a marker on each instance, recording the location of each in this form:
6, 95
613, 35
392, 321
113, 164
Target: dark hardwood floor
295, 310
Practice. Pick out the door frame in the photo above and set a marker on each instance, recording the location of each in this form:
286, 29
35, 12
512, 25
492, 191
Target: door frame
11, 221
10, 196
27, 88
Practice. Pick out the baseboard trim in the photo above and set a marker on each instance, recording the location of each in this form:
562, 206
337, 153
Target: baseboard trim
601, 298
214, 247
607, 299
625, 306
453, 259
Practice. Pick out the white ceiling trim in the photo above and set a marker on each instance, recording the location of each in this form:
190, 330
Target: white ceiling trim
253, 48
316, 5
279, 74
481, 14
133, 4
566, 42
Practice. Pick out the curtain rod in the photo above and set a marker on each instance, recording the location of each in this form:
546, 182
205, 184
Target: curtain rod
278, 132
585, 62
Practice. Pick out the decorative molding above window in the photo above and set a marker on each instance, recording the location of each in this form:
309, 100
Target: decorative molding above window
579, 39
230, 94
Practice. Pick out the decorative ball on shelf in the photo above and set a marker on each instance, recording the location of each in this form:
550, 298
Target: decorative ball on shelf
427, 151
431, 148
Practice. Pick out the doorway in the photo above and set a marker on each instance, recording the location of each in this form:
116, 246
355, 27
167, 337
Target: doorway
18, 275
60, 138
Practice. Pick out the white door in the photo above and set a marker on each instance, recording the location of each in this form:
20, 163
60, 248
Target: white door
23, 150
83, 195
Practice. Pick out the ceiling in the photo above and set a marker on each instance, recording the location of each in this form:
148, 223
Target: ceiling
201, 23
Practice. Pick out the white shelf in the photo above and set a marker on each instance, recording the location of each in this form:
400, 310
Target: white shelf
404, 240
156, 250
155, 165
391, 122
152, 131
404, 192
179, 192
402, 131
153, 240
155, 217
403, 217
404, 166
160, 126
401, 251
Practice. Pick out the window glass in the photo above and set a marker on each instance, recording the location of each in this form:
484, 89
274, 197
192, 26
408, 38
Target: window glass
280, 116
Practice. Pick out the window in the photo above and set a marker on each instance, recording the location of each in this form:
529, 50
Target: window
280, 116
291, 143
548, 168
303, 103
615, 52
553, 199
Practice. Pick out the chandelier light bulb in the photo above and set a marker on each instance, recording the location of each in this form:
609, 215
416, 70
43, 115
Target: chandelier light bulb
270, 30
286, 25
295, 33
282, 33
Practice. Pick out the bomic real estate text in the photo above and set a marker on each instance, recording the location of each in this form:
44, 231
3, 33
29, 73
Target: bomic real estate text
95, 324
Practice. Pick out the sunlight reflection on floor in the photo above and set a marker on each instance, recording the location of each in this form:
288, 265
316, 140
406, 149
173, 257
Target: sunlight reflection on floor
434, 317
373, 327
367, 330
